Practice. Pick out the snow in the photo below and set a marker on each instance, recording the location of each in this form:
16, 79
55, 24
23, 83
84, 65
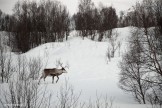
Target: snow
89, 70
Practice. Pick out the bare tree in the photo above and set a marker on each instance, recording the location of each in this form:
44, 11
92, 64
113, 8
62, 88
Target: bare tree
67, 97
6, 62
146, 14
23, 91
2, 63
133, 71
113, 43
9, 68
35, 66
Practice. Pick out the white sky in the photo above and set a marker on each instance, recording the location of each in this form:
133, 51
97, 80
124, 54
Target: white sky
7, 5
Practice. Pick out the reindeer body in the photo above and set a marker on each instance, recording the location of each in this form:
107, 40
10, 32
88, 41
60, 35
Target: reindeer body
52, 72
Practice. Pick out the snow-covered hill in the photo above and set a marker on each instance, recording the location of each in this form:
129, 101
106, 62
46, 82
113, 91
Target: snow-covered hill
89, 70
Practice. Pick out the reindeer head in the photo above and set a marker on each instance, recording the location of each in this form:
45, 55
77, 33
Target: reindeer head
63, 68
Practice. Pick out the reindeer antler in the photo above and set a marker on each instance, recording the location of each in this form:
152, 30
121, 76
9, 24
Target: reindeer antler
59, 63
67, 65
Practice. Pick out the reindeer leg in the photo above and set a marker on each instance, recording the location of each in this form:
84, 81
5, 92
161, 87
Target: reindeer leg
53, 79
45, 77
57, 79
40, 79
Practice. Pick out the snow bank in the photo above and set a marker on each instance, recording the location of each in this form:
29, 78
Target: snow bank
89, 70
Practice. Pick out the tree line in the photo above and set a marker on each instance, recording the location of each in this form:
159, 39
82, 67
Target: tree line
145, 14
90, 19
35, 23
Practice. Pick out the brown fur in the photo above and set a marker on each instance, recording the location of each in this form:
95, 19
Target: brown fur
52, 72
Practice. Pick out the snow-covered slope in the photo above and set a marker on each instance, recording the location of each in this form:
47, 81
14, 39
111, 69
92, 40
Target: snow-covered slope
89, 70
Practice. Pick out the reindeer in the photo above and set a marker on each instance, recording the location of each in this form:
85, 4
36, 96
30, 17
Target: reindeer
53, 72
